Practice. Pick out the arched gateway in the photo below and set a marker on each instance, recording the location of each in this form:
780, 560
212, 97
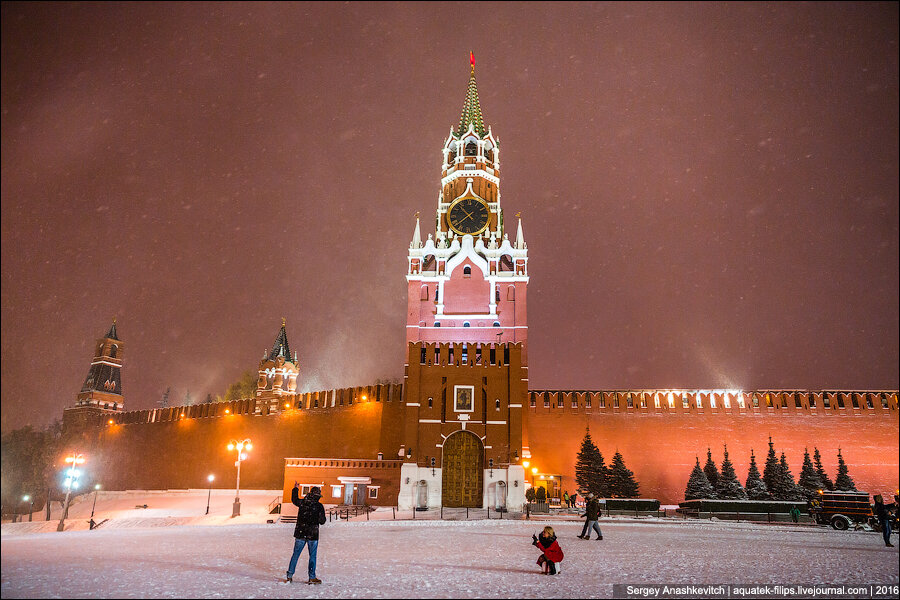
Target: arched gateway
463, 470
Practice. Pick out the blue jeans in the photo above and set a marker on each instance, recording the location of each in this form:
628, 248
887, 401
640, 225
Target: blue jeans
591, 525
886, 531
298, 548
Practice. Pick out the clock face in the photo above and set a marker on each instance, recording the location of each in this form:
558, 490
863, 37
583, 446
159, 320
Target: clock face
468, 215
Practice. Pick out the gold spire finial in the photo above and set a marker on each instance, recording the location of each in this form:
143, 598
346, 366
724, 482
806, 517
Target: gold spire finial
417, 214
283, 321
519, 214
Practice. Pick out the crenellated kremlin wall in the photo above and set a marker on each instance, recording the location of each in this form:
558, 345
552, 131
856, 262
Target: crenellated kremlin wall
658, 432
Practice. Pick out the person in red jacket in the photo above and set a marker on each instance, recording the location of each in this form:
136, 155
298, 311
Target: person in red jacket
551, 552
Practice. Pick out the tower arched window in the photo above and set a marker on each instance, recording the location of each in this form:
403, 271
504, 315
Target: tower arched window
506, 263
496, 323
466, 324
497, 295
471, 148
467, 271
437, 323
430, 263
113, 350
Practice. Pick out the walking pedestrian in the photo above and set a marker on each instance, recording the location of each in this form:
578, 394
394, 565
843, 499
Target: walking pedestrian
591, 516
566, 499
795, 514
310, 514
883, 514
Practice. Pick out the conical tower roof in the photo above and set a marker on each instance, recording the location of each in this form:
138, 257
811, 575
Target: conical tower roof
281, 346
111, 334
471, 113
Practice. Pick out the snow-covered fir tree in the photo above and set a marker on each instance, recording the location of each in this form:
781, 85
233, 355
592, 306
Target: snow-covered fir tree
698, 486
712, 472
621, 479
164, 401
843, 481
809, 481
755, 487
728, 487
820, 470
188, 400
584, 463
770, 471
785, 486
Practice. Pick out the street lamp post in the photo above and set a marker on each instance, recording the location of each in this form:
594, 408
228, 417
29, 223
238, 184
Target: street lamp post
96, 491
71, 481
28, 498
241, 456
211, 478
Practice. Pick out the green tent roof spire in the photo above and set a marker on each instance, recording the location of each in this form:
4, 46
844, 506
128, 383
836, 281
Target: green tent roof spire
471, 113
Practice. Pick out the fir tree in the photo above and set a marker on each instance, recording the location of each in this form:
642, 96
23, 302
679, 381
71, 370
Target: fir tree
820, 470
785, 486
188, 401
755, 486
541, 494
601, 488
209, 399
621, 479
590, 470
164, 401
585, 477
809, 481
843, 481
712, 473
698, 485
770, 471
728, 487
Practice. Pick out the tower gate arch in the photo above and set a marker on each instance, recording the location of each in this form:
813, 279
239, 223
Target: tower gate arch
462, 470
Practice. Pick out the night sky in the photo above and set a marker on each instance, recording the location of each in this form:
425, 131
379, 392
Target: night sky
709, 192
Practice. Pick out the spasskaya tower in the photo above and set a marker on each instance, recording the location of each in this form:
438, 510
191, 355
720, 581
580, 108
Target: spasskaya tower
467, 281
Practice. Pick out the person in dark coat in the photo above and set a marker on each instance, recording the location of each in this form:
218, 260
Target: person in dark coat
591, 518
552, 554
310, 514
883, 514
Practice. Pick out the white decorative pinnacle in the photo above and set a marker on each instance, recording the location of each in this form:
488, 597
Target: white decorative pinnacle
417, 237
520, 237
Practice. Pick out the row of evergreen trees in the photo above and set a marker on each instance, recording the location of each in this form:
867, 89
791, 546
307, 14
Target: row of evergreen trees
776, 482
593, 475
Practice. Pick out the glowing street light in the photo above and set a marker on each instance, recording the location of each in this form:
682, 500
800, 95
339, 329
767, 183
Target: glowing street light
241, 456
28, 498
71, 481
96, 491
211, 478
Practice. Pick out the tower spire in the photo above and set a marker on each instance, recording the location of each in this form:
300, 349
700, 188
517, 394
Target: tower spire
111, 334
471, 114
520, 237
417, 237
281, 346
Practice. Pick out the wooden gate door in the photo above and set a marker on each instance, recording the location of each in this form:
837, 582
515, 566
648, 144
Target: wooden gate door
463, 470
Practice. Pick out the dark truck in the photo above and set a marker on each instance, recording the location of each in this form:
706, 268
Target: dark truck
841, 509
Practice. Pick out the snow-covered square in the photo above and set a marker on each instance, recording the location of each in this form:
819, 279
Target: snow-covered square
172, 550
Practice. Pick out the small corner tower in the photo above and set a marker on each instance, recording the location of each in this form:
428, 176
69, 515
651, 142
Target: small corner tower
467, 281
101, 395
278, 371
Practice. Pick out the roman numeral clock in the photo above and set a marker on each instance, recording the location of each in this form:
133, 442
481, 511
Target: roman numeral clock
468, 215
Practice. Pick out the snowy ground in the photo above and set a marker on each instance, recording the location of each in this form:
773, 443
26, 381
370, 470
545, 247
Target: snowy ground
160, 556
